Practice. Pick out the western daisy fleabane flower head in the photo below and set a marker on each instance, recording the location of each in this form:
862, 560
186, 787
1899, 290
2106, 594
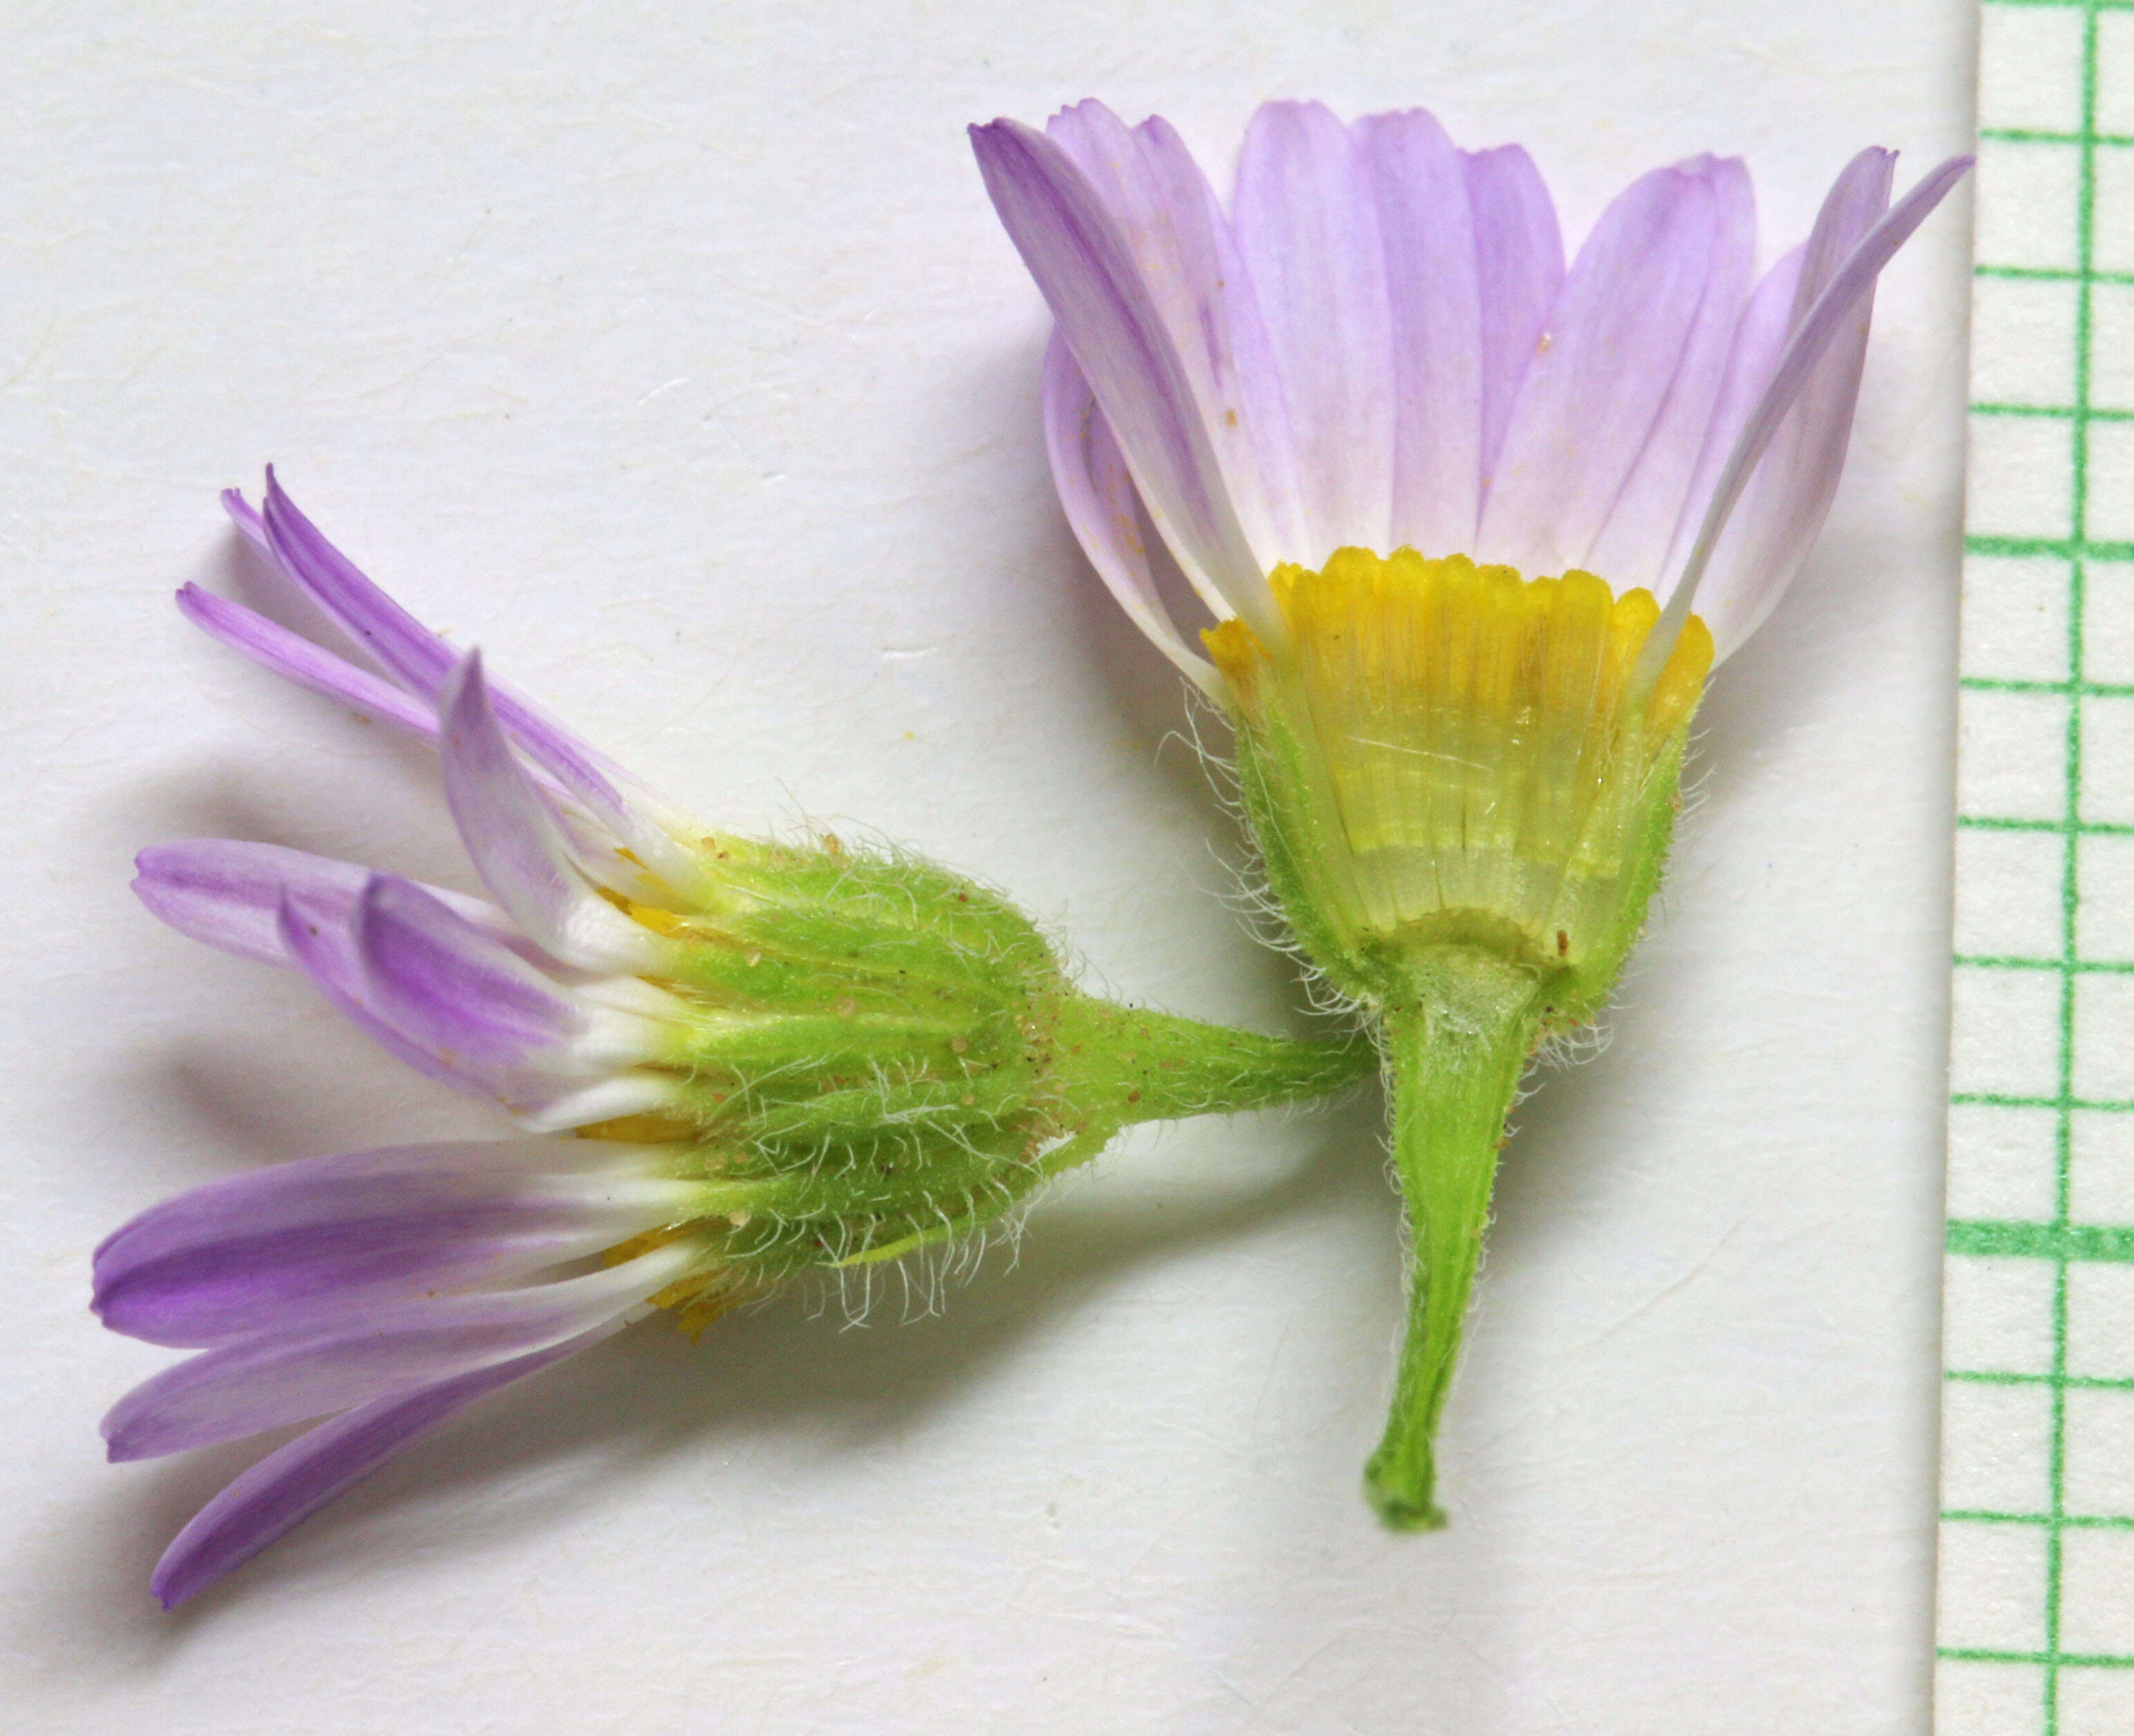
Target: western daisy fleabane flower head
738, 1062
1475, 523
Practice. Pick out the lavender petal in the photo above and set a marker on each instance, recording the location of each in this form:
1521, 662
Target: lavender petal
1518, 274
1631, 549
529, 1041
1307, 225
447, 985
298, 1244
296, 659
291, 1484
517, 846
249, 524
1589, 399
1419, 181
1098, 496
323, 944
228, 895
242, 1386
579, 1069
1805, 413
421, 661
1221, 331
401, 645
1188, 262
1759, 340
1085, 267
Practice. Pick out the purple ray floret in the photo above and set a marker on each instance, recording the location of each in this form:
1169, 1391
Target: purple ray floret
289, 1485
282, 1374
228, 895
1379, 345
397, 1286
301, 1241
407, 651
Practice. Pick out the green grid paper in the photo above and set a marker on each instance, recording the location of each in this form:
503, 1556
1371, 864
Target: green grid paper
2036, 1606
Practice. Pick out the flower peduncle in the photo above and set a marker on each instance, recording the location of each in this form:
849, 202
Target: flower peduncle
1455, 1047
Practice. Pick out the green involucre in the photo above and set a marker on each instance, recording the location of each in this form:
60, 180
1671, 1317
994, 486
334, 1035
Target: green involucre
883, 1055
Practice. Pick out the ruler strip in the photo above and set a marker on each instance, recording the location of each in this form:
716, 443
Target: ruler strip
2035, 1622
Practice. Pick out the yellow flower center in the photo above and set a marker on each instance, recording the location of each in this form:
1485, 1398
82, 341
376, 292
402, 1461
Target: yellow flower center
1453, 752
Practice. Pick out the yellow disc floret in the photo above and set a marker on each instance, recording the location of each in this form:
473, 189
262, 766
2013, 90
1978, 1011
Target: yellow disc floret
1444, 752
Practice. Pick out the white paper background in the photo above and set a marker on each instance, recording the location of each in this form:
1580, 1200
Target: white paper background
673, 355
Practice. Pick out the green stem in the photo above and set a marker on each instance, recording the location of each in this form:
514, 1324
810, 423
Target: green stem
1455, 1050
1120, 1065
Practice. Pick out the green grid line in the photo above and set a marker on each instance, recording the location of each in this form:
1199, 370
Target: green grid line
2028, 136
2076, 547
2074, 829
2011, 1100
2051, 274
2061, 412
2054, 1660
2061, 1241
2073, 1382
2087, 689
2080, 966
1999, 1238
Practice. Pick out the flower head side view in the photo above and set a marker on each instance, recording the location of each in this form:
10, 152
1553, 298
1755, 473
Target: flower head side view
737, 1063
1475, 524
